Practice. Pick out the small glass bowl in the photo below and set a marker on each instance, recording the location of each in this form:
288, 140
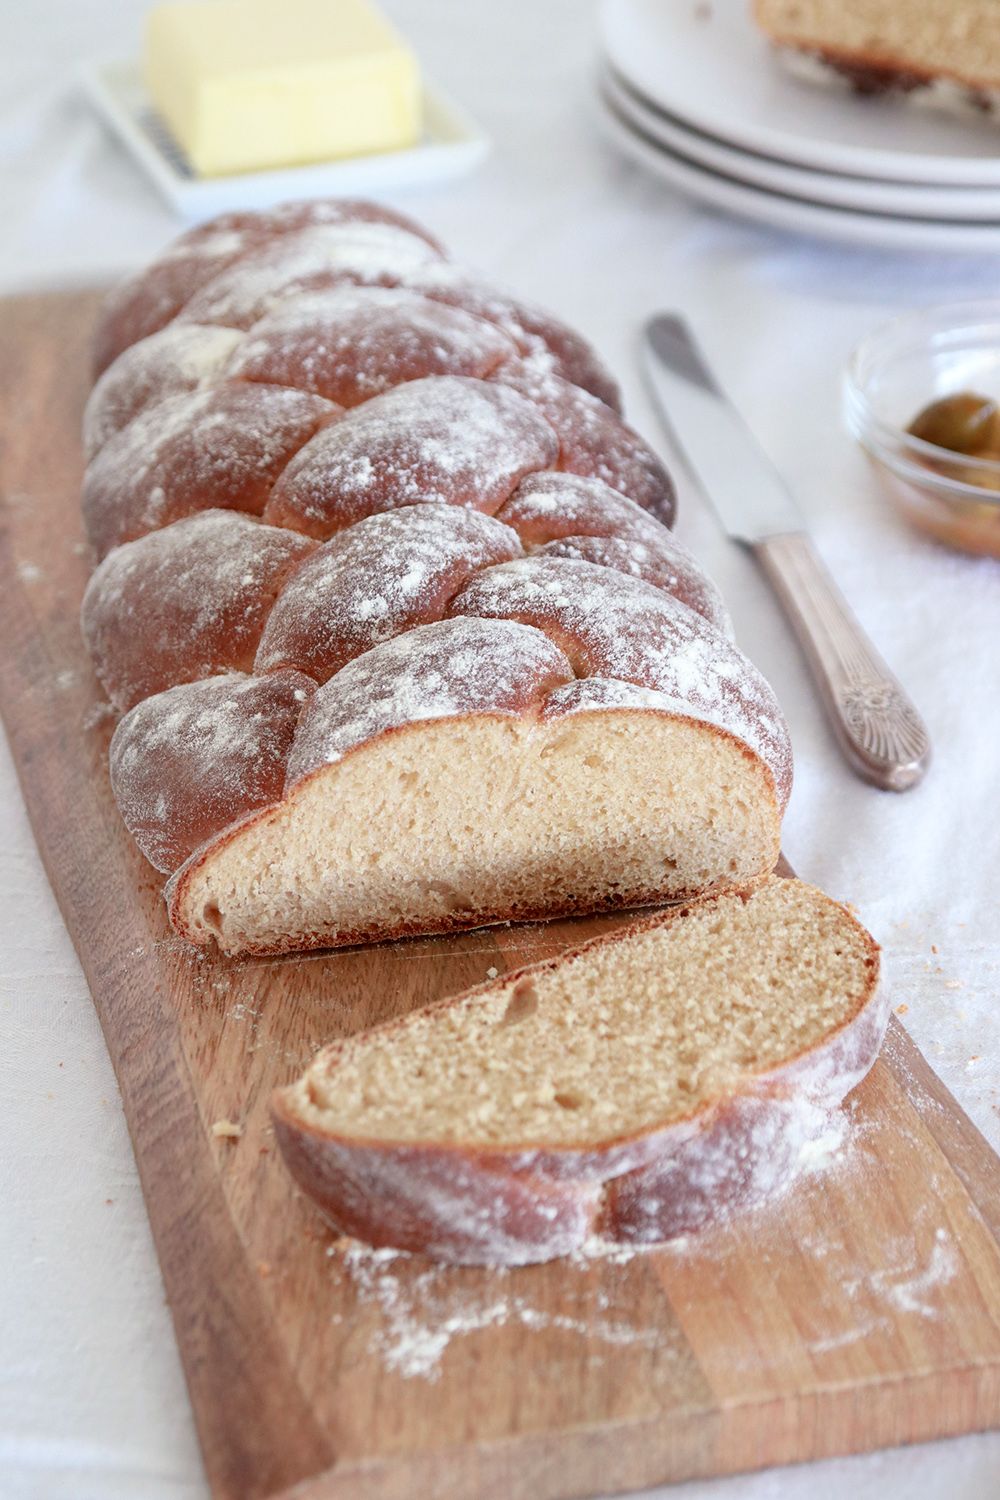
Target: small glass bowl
891, 376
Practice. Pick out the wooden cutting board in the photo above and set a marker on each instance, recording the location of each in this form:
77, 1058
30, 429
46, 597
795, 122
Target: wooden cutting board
860, 1312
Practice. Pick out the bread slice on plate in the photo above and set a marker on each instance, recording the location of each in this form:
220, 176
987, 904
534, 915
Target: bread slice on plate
630, 1091
938, 54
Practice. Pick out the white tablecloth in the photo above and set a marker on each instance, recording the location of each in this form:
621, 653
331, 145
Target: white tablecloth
92, 1402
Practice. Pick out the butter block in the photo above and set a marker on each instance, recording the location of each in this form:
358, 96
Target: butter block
249, 84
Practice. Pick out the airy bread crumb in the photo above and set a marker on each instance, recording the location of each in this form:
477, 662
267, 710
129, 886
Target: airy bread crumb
632, 1032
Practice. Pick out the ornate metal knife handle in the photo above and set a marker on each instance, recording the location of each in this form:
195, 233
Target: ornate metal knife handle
878, 727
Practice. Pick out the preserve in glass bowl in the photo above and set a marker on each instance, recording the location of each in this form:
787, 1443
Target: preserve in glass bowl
893, 375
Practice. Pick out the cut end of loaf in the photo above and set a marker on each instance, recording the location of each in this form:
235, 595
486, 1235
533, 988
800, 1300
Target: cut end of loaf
461, 822
640, 1086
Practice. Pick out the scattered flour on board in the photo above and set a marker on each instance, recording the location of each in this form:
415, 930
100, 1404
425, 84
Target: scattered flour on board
915, 1266
909, 1282
424, 1306
824, 1150
423, 1310
864, 1328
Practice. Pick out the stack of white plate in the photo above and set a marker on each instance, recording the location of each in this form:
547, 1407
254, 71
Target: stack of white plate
692, 91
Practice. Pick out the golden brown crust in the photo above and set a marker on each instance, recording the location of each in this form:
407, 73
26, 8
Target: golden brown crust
446, 439
193, 761
221, 448
203, 587
147, 302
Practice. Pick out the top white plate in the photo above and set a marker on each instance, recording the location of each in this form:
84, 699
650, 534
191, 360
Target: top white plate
712, 68
453, 144
916, 200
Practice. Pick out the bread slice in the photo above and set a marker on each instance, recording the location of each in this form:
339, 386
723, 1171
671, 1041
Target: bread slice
635, 1088
946, 53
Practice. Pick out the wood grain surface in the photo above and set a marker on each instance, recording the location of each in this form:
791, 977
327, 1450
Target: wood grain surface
860, 1312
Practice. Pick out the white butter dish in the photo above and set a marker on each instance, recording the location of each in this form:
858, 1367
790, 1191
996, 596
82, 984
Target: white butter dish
453, 144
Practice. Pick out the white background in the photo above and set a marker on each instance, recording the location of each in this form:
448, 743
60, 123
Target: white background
92, 1403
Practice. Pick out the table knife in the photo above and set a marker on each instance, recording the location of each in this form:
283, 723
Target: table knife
877, 727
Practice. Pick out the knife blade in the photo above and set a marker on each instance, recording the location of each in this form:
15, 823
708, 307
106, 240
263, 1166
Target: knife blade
876, 725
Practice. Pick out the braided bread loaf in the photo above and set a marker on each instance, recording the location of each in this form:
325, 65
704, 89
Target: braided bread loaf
387, 598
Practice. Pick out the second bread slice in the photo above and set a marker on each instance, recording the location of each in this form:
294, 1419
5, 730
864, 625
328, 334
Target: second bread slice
633, 1089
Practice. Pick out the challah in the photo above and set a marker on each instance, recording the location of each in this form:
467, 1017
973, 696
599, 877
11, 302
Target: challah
388, 602
633, 1090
